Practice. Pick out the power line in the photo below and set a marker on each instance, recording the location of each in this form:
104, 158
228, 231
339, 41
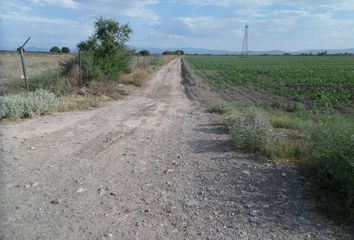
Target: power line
244, 52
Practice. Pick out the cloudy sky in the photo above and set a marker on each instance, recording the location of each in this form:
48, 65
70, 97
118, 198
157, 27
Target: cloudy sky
214, 24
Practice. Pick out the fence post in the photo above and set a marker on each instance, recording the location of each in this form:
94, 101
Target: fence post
23, 63
24, 68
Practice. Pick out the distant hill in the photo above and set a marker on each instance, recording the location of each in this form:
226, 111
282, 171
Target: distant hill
28, 49
329, 51
191, 50
188, 50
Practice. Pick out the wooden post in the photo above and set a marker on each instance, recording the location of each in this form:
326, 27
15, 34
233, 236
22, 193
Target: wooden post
23, 63
24, 68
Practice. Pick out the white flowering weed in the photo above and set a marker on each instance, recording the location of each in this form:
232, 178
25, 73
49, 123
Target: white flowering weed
28, 105
251, 131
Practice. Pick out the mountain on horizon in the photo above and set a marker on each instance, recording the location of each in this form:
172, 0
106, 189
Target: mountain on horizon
192, 50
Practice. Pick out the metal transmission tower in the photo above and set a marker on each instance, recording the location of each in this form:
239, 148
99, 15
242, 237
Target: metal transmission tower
245, 43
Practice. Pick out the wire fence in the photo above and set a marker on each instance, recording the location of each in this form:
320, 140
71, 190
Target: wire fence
142, 62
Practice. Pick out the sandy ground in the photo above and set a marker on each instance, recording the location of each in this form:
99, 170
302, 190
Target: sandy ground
152, 166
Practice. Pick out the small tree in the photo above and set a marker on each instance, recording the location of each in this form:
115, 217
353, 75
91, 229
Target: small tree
107, 47
144, 53
65, 50
55, 49
167, 53
179, 52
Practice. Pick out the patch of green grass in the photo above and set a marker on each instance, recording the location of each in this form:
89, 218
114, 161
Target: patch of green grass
279, 120
330, 163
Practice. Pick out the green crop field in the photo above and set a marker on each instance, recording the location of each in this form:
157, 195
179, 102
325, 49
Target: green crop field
324, 81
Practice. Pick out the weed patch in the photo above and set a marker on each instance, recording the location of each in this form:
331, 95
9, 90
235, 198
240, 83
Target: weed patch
28, 105
285, 122
77, 102
330, 164
252, 132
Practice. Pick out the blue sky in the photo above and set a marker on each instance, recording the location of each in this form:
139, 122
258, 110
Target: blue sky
274, 24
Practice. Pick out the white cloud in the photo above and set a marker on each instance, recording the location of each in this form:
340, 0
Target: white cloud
27, 19
249, 4
229, 3
71, 4
135, 9
118, 8
195, 26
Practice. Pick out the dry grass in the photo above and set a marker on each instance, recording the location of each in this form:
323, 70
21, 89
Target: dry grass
36, 63
114, 90
77, 102
137, 78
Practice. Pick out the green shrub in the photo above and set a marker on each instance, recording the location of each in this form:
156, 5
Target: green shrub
144, 53
106, 49
29, 105
331, 162
51, 81
55, 49
65, 50
67, 65
251, 131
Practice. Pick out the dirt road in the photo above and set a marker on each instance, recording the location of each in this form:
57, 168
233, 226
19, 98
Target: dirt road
151, 166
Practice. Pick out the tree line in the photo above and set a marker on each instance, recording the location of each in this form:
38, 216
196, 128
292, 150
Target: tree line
56, 49
147, 53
